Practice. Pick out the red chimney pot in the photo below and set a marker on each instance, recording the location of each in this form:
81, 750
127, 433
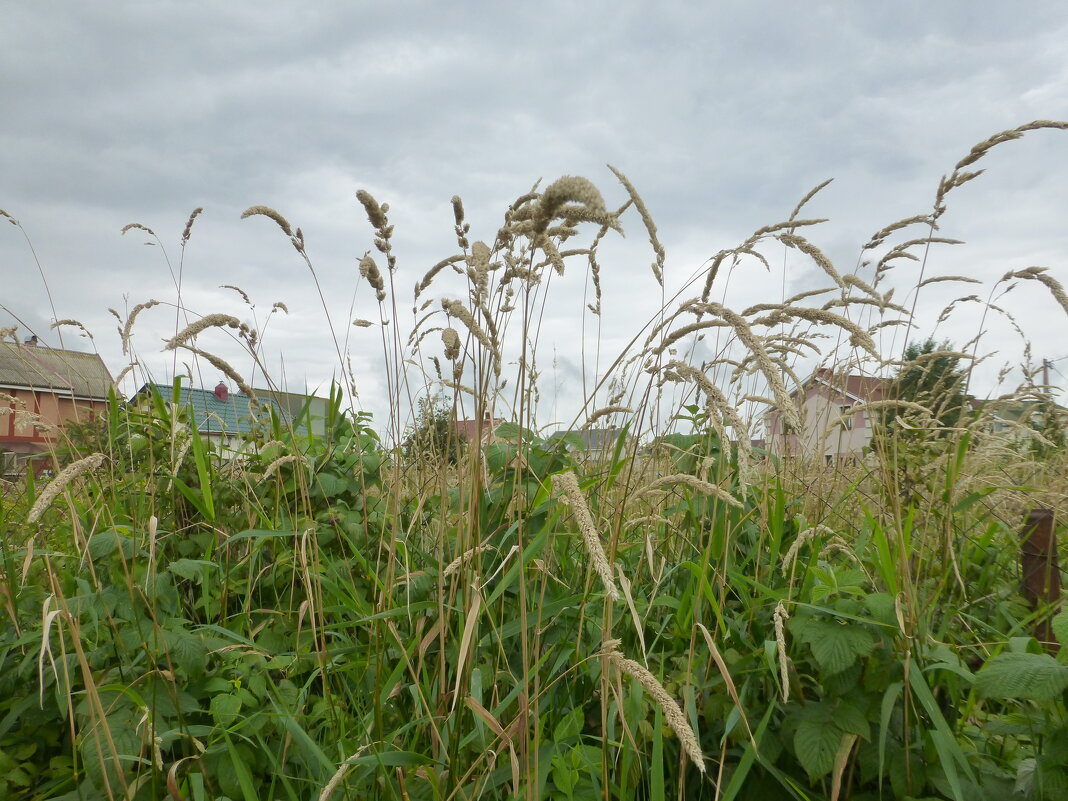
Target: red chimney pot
221, 392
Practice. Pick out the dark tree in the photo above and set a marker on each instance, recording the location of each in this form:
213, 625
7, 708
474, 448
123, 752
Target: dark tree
931, 375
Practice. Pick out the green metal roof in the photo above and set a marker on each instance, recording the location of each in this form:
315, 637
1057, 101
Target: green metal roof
234, 416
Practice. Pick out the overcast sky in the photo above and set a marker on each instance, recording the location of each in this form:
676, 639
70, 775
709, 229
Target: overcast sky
721, 114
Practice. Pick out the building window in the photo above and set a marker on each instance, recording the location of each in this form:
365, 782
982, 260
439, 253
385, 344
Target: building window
846, 413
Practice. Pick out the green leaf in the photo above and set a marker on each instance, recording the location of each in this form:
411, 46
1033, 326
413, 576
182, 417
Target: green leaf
1060, 628
187, 650
835, 645
816, 745
225, 709
1035, 677
189, 569
570, 726
105, 543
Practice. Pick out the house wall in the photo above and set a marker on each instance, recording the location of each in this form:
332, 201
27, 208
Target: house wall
824, 433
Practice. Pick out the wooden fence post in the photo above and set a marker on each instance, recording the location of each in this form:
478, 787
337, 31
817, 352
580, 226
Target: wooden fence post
1041, 570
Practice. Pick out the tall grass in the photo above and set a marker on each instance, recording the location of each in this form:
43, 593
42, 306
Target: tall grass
684, 615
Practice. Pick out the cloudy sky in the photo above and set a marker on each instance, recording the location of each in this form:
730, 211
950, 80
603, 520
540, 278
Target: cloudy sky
721, 114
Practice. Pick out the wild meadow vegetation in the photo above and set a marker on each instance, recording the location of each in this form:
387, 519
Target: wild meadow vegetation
373, 609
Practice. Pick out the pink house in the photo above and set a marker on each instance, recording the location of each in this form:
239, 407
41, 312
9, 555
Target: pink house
831, 428
41, 390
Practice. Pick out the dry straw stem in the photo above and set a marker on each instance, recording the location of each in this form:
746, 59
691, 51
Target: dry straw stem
433, 271
604, 411
127, 328
1039, 274
746, 248
189, 224
221, 364
204, 323
880, 236
451, 340
456, 563
693, 482
858, 336
650, 226
779, 619
814, 253
266, 211
672, 713
790, 556
137, 227
567, 190
273, 466
728, 680
125, 371
369, 270
567, 482
74, 323
60, 482
339, 775
940, 278
808, 196
240, 291
457, 309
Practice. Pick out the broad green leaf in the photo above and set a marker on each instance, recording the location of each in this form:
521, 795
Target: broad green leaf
835, 645
190, 569
105, 543
1036, 677
225, 709
815, 745
1060, 628
570, 726
187, 650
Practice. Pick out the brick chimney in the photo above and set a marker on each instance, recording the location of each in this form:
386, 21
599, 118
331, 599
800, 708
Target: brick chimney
30, 341
221, 392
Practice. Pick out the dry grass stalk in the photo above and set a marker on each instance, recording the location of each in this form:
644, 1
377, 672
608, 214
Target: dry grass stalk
457, 309
240, 291
693, 482
189, 224
604, 411
339, 776
1040, 274
779, 618
814, 253
790, 556
369, 270
672, 712
650, 226
273, 466
204, 323
221, 364
451, 339
567, 482
267, 211
74, 323
127, 328
60, 482
467, 555
361, 323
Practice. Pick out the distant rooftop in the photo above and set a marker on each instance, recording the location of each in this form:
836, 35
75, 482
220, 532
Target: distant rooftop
67, 373
212, 414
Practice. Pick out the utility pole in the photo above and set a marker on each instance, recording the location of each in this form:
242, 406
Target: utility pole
1045, 376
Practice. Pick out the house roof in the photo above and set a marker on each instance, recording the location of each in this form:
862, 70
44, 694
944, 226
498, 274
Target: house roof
468, 430
593, 439
858, 388
67, 373
233, 416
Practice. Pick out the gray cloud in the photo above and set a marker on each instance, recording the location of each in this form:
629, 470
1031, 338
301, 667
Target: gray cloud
722, 115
